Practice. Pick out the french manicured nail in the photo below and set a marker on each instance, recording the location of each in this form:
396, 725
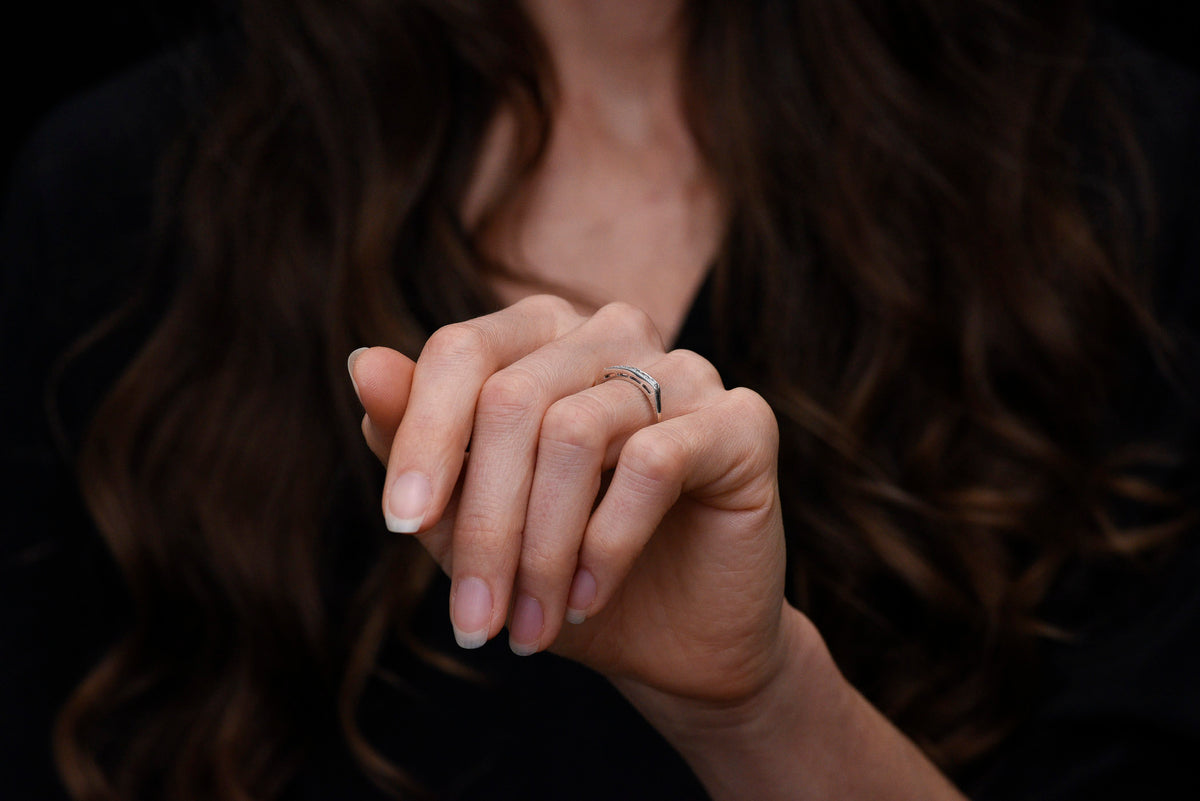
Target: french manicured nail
354, 354
407, 503
527, 625
471, 612
581, 596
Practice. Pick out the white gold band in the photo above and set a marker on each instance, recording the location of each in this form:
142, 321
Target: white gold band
639, 378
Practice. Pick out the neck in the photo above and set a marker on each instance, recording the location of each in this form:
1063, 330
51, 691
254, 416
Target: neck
616, 62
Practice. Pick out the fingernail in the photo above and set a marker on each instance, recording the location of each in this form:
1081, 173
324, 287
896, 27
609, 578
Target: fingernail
581, 596
527, 625
471, 612
354, 354
407, 503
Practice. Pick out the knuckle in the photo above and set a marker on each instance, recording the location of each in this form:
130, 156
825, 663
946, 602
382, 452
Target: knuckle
761, 438
655, 458
540, 564
551, 305
614, 553
457, 342
511, 393
694, 364
490, 542
575, 423
627, 317
753, 408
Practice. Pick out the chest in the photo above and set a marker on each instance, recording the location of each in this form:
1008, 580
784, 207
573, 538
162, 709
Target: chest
599, 223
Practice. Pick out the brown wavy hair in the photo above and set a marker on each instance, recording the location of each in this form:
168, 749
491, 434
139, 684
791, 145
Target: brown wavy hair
929, 270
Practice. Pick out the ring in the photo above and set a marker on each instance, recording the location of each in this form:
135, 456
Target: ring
639, 378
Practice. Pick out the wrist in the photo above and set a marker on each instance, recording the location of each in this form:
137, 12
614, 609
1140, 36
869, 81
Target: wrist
798, 659
803, 733
735, 743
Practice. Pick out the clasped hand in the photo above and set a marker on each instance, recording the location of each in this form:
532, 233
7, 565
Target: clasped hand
651, 551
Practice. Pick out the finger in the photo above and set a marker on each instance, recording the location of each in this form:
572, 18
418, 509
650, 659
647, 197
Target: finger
504, 443
427, 451
581, 436
381, 378
375, 440
437, 538
722, 455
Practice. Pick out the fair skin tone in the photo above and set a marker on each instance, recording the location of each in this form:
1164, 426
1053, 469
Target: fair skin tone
622, 207
671, 585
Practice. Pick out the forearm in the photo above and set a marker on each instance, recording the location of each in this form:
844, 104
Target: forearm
807, 735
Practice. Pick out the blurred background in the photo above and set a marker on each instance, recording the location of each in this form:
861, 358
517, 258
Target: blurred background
62, 48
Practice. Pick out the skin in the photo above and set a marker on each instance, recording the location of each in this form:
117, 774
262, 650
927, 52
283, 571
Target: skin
622, 207
651, 551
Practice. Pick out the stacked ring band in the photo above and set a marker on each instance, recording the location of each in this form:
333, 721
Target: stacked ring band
639, 378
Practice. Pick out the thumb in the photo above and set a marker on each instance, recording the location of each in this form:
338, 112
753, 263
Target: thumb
381, 378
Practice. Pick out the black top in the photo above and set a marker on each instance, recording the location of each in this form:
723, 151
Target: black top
1120, 717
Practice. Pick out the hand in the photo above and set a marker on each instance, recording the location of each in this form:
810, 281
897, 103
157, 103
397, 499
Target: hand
673, 581
676, 575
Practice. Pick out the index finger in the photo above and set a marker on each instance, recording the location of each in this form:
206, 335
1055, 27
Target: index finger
427, 451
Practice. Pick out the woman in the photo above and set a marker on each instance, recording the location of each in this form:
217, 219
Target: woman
909, 240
